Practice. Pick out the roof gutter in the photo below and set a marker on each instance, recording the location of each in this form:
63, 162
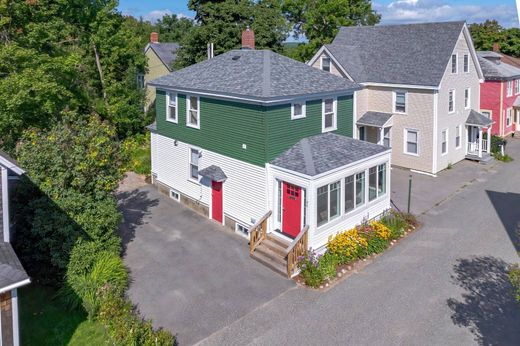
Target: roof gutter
15, 285
402, 86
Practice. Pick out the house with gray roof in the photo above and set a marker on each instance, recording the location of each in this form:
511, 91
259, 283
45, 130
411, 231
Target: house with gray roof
421, 83
160, 58
500, 92
12, 274
262, 144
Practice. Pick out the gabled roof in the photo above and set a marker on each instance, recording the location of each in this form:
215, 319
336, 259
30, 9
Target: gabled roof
325, 152
410, 54
377, 119
166, 51
494, 68
11, 270
477, 119
10, 163
256, 75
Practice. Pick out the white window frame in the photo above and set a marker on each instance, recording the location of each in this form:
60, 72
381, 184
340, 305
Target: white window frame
456, 55
168, 114
465, 66
509, 88
458, 134
509, 117
447, 141
304, 110
340, 182
517, 86
488, 112
405, 101
188, 107
453, 110
334, 115
405, 142
467, 100
190, 178
389, 137
324, 56
174, 192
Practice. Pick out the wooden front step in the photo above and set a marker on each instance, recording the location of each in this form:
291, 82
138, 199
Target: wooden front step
272, 255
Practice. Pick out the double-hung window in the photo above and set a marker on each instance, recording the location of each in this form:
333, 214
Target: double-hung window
467, 98
400, 102
194, 164
193, 112
171, 108
325, 63
454, 63
466, 63
451, 101
458, 135
444, 142
509, 117
411, 142
386, 137
140, 81
328, 202
509, 88
298, 110
329, 115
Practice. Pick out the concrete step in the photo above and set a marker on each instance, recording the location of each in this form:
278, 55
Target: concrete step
270, 259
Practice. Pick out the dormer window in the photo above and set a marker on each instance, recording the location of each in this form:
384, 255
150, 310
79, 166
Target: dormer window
454, 63
325, 63
298, 110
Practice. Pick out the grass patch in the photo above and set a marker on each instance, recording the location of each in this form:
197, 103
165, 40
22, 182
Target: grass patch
44, 321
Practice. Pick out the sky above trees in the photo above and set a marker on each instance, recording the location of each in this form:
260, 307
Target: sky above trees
392, 11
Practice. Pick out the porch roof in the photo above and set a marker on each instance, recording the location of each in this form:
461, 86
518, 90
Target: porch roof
477, 119
325, 152
517, 102
214, 173
376, 119
11, 270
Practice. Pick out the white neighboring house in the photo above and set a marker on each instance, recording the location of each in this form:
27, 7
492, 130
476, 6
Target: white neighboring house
263, 145
421, 91
12, 274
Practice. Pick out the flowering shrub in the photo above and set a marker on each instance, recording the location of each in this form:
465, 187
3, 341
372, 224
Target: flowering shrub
347, 246
310, 270
380, 230
397, 223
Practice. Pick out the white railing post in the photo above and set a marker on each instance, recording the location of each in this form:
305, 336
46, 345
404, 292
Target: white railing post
480, 142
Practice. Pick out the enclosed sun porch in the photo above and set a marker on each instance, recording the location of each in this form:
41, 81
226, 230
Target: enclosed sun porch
322, 185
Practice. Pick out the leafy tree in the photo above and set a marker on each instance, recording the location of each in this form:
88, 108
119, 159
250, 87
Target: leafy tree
221, 22
319, 20
172, 28
486, 34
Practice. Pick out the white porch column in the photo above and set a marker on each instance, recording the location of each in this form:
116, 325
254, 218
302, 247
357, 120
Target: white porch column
480, 142
14, 307
488, 139
467, 139
5, 203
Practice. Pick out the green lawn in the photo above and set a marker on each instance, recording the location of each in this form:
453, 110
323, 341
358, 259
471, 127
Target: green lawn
43, 321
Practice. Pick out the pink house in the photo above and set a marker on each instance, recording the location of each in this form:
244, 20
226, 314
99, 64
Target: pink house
500, 93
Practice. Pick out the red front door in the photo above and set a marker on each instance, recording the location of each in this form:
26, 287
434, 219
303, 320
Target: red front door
292, 207
216, 201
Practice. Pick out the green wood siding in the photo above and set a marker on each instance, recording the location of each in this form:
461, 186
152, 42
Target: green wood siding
282, 132
224, 127
267, 131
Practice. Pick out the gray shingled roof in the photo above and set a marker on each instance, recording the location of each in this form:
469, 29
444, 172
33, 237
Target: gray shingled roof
152, 127
166, 51
377, 119
325, 152
10, 163
494, 69
477, 119
415, 54
11, 270
257, 74
214, 173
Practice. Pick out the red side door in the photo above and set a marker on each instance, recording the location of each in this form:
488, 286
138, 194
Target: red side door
216, 201
292, 207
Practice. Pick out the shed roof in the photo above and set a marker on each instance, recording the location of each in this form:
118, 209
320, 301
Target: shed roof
325, 152
260, 75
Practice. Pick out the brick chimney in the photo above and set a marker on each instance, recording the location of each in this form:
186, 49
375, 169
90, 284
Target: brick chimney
496, 47
154, 37
248, 39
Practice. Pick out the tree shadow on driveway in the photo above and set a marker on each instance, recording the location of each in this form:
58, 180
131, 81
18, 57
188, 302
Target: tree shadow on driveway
487, 307
507, 206
134, 206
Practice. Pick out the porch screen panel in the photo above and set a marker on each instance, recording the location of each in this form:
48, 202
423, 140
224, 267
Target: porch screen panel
381, 180
349, 193
322, 210
335, 189
372, 183
360, 189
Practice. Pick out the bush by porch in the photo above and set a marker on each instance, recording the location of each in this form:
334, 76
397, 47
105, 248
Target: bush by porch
369, 238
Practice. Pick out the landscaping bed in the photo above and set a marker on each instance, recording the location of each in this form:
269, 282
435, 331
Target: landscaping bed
349, 251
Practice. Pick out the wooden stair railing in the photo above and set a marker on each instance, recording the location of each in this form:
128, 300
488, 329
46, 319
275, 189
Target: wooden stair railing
297, 248
258, 232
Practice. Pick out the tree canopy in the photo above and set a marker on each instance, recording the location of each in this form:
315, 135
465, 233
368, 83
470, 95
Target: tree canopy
486, 34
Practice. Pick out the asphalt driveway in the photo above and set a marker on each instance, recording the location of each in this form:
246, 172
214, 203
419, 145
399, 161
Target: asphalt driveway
189, 274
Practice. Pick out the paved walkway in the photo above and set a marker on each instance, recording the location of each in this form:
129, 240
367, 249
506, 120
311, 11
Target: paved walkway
443, 285
189, 274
